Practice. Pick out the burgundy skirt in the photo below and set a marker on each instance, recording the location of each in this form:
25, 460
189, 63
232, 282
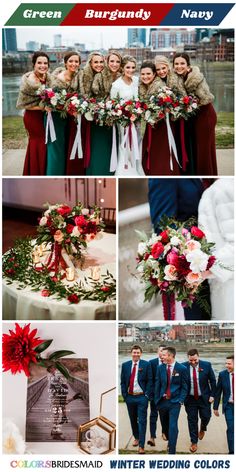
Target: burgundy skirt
36, 153
204, 146
156, 152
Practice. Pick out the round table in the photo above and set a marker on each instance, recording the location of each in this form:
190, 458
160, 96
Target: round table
27, 305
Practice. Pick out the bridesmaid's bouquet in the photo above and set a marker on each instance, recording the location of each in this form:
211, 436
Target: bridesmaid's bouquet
54, 98
175, 262
160, 105
76, 105
187, 107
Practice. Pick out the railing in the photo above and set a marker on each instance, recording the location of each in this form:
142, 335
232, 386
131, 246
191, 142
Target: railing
80, 386
34, 391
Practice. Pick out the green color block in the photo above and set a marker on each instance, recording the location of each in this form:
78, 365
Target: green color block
40, 14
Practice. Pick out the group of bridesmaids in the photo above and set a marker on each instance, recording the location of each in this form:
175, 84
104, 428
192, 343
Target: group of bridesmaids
115, 77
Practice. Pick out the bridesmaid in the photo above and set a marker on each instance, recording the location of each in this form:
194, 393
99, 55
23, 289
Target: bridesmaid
155, 146
102, 135
35, 159
202, 125
126, 87
67, 78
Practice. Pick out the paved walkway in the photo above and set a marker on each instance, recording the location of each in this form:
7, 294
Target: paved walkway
214, 441
13, 161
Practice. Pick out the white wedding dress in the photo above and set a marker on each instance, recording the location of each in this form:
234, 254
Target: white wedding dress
127, 164
216, 219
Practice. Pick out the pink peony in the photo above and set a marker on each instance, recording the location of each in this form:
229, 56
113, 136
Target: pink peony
170, 273
172, 257
58, 236
193, 278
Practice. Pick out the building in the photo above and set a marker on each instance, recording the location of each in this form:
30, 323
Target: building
9, 40
137, 37
32, 46
165, 38
57, 39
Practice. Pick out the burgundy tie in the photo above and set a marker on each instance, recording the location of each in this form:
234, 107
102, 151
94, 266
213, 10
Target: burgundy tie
195, 388
233, 386
132, 377
168, 392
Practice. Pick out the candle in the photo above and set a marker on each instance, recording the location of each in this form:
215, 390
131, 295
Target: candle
95, 273
70, 273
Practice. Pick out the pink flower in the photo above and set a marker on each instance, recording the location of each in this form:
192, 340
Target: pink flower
193, 278
45, 293
185, 232
163, 286
192, 245
50, 93
172, 257
58, 236
170, 272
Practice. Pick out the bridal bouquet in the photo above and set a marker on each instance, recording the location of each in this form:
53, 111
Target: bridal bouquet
175, 262
129, 111
72, 228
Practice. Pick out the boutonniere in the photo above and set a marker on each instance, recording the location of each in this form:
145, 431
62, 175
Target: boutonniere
140, 369
175, 374
200, 369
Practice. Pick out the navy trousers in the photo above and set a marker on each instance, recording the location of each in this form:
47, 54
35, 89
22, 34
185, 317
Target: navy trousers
137, 408
169, 415
229, 417
195, 409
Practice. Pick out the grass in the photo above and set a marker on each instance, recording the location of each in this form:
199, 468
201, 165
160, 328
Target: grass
15, 136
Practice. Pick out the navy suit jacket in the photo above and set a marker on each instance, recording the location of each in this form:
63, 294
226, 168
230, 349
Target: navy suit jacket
223, 386
178, 385
154, 364
207, 379
178, 198
144, 377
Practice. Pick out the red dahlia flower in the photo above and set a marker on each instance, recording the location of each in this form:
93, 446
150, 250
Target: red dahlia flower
18, 349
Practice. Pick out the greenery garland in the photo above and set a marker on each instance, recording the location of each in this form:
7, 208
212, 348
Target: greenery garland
18, 267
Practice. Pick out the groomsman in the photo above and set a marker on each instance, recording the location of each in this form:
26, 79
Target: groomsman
171, 388
154, 413
136, 387
202, 386
225, 386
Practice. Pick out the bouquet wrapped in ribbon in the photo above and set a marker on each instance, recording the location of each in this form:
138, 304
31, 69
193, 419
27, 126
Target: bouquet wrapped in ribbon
68, 230
55, 100
175, 263
77, 106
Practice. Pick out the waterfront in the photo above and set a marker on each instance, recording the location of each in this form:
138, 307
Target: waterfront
220, 77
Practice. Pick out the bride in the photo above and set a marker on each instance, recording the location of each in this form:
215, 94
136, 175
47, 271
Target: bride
216, 216
126, 87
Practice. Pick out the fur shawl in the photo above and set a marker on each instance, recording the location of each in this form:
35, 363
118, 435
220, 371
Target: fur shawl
102, 83
28, 88
197, 85
71, 86
146, 91
86, 81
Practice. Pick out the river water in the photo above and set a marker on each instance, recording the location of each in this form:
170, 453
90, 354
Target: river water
221, 84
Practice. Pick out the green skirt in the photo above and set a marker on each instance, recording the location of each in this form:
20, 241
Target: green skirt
100, 150
56, 151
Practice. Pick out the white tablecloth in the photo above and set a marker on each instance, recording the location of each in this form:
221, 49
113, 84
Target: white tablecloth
27, 305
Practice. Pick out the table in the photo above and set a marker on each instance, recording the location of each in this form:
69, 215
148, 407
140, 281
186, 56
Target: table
27, 305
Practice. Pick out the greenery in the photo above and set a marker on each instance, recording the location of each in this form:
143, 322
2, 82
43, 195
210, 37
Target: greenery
225, 130
18, 267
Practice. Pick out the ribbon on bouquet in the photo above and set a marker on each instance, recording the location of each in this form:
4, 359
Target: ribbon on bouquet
171, 142
77, 146
168, 304
130, 138
57, 258
114, 157
50, 129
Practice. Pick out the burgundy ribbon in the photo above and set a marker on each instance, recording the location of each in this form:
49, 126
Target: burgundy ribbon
168, 303
183, 148
55, 259
130, 136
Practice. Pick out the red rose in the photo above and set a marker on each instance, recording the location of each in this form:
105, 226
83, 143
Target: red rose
73, 298
186, 99
164, 236
172, 258
69, 228
18, 349
63, 210
10, 271
105, 289
182, 266
157, 250
211, 262
80, 221
45, 293
195, 231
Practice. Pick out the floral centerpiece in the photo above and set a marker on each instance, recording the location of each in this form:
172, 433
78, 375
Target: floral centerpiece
68, 230
175, 263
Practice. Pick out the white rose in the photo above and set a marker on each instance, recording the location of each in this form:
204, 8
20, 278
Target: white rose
154, 239
175, 241
85, 211
75, 232
198, 260
43, 221
142, 248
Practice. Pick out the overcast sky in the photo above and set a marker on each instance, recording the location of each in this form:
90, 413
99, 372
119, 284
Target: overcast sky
93, 37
